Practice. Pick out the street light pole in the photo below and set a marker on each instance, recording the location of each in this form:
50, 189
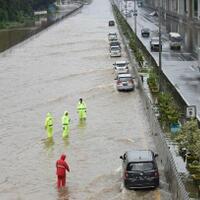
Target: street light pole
160, 44
135, 17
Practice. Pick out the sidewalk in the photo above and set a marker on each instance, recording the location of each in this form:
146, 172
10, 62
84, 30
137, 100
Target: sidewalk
179, 67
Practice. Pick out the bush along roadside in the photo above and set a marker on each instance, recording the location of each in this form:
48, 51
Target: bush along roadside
189, 148
187, 135
130, 36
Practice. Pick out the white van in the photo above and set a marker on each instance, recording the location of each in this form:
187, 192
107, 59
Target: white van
175, 40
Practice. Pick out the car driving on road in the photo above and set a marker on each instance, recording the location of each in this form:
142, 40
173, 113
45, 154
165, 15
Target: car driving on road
175, 40
140, 169
145, 32
125, 82
154, 44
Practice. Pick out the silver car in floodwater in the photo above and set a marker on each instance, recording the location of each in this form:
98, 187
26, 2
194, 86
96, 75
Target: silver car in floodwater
125, 82
121, 67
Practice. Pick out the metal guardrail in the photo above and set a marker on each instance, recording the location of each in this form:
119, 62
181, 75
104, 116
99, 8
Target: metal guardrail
176, 185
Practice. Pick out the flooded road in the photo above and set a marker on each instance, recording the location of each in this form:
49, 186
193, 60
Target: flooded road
49, 73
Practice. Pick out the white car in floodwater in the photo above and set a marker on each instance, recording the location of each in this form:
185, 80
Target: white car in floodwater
115, 51
121, 67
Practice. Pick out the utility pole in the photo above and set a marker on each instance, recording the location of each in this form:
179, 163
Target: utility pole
135, 17
199, 59
160, 44
126, 9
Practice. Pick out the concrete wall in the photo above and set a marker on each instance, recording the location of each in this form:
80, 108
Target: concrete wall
185, 8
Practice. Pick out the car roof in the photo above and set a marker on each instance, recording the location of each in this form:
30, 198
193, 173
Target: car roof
115, 47
120, 62
112, 33
139, 156
173, 34
155, 38
114, 41
124, 76
145, 29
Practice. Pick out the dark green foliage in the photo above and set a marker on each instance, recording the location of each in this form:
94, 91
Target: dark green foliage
169, 111
18, 10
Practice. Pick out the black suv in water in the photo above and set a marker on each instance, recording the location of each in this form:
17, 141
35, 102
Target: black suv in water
111, 23
140, 169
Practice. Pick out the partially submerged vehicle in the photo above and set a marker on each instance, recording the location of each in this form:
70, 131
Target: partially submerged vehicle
140, 169
121, 67
112, 36
125, 82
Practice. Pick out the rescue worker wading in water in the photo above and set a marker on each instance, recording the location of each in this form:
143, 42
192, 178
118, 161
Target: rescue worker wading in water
61, 166
49, 125
81, 109
65, 124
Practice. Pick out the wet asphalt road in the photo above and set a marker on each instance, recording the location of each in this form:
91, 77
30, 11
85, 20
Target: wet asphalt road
48, 73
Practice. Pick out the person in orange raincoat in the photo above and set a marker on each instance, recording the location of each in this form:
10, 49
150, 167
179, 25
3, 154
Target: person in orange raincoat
61, 166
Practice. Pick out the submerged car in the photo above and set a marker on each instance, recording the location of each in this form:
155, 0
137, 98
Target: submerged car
154, 44
140, 169
145, 32
125, 82
112, 36
115, 51
111, 23
115, 43
121, 67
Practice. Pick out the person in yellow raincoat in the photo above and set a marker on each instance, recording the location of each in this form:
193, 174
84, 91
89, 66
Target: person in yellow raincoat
81, 109
49, 125
65, 124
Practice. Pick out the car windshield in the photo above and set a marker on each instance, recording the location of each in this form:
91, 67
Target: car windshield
175, 39
155, 40
125, 79
114, 43
115, 48
145, 30
141, 166
112, 34
121, 65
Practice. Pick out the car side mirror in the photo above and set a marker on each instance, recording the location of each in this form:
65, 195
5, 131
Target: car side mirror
121, 157
155, 155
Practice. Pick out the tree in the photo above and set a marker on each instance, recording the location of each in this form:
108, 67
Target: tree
17, 10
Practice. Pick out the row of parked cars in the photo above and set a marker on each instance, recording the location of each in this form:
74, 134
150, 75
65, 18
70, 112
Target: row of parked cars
124, 79
139, 167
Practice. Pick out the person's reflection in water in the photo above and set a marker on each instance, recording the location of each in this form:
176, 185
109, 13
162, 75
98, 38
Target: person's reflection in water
82, 123
66, 141
48, 144
63, 194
